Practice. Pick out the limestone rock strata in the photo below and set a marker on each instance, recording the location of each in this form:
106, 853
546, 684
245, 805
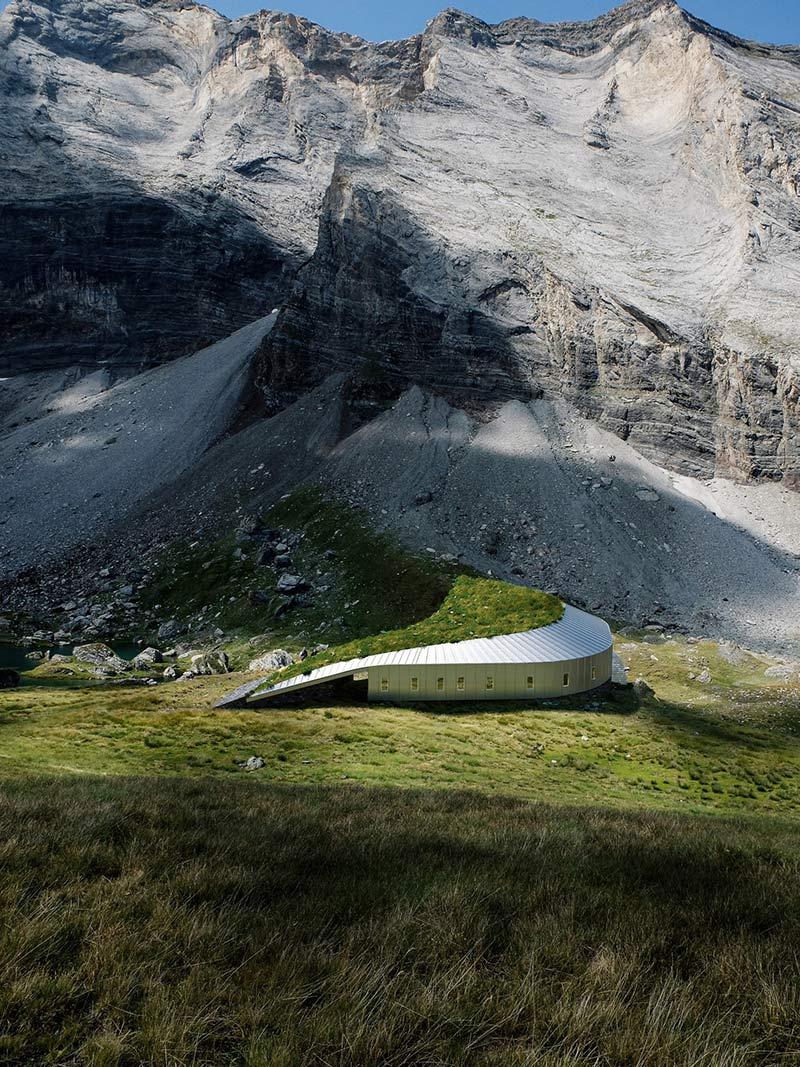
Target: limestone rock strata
606, 210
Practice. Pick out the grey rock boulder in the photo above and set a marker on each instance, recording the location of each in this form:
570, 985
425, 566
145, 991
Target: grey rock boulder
271, 661
642, 690
146, 658
254, 763
9, 679
782, 671
100, 655
210, 663
291, 583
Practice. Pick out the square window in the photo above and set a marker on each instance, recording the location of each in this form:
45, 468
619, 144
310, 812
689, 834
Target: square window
566, 678
384, 685
460, 683
439, 685
530, 681
490, 681
414, 684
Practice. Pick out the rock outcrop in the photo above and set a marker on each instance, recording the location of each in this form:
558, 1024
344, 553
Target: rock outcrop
605, 211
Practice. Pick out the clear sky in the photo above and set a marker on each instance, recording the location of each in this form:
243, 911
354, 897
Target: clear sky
777, 21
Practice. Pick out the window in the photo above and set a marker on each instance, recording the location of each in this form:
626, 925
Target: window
490, 681
594, 673
530, 681
439, 685
384, 685
414, 685
566, 678
460, 683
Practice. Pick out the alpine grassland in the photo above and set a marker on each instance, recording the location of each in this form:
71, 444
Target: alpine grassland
607, 879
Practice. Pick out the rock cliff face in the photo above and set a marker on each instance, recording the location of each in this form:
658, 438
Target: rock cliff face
163, 169
605, 211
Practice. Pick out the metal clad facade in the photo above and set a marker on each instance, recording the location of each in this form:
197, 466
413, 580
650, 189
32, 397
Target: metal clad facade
509, 681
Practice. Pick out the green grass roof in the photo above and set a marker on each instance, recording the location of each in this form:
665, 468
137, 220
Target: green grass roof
474, 607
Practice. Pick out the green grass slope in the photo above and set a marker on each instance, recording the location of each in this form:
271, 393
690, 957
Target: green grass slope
206, 923
365, 582
371, 594
731, 745
588, 881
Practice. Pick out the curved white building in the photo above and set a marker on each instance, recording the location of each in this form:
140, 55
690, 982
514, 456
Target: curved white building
568, 656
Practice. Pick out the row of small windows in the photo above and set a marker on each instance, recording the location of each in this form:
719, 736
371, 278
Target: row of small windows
489, 682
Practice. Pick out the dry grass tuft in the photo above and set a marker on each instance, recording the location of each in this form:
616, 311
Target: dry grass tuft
180, 922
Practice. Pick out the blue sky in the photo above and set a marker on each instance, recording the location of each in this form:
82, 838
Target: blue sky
777, 21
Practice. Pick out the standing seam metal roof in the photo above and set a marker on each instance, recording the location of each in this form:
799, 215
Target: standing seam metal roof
577, 634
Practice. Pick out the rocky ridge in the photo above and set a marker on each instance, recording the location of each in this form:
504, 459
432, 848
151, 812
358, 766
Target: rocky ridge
604, 210
535, 289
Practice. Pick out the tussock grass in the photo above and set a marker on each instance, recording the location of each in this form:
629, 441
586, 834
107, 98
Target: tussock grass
179, 922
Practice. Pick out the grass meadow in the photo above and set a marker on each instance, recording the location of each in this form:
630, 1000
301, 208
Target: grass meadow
592, 882
215, 922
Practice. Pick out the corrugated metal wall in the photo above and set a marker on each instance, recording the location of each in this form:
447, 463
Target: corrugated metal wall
492, 681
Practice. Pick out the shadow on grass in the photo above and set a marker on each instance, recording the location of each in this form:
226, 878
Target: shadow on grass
698, 728
405, 926
611, 699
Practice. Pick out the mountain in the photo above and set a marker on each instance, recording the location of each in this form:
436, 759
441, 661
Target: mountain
572, 245
607, 210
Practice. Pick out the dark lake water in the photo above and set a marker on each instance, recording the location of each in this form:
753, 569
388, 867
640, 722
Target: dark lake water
19, 658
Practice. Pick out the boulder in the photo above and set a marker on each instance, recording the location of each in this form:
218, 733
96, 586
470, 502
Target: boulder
266, 555
9, 679
171, 673
642, 689
254, 763
210, 663
100, 655
283, 559
704, 675
272, 661
291, 583
146, 658
249, 527
782, 671
169, 629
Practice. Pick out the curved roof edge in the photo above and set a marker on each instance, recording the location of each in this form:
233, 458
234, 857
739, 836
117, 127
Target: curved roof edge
575, 635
